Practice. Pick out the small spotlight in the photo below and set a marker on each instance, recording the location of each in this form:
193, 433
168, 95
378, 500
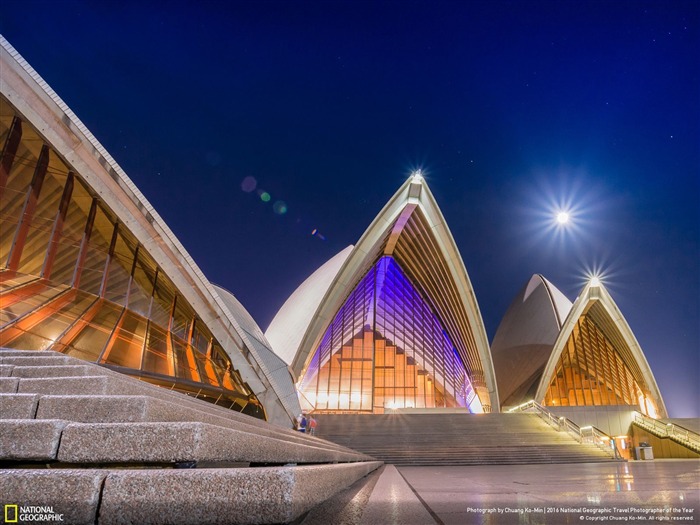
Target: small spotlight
594, 281
418, 175
563, 217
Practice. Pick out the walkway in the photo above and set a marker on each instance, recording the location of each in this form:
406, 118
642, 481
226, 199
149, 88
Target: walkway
634, 492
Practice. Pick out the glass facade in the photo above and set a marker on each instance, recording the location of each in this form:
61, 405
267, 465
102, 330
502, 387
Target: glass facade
386, 349
591, 372
73, 279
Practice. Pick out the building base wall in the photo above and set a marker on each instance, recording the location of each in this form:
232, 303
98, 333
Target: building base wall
614, 420
662, 447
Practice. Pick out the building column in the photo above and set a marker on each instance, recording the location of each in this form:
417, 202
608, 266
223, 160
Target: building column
58, 227
9, 151
30, 203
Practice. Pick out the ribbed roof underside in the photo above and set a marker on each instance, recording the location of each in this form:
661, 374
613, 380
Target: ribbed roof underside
597, 305
599, 315
419, 255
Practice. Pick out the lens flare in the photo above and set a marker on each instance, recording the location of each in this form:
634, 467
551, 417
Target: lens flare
316, 233
606, 272
249, 184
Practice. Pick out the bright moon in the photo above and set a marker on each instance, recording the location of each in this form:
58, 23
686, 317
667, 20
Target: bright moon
562, 217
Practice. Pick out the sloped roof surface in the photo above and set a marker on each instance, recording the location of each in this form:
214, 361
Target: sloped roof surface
275, 368
525, 337
289, 324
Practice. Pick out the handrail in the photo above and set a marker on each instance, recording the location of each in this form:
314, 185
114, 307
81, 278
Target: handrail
587, 434
677, 433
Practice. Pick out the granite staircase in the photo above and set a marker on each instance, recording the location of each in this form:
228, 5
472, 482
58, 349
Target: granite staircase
435, 438
101, 447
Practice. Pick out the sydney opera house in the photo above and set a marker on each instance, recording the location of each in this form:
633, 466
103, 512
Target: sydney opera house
391, 322
90, 270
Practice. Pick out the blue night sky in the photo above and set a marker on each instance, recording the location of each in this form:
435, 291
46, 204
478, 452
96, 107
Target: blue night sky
512, 109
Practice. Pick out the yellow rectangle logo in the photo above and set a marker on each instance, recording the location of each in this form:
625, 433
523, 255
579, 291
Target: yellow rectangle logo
8, 511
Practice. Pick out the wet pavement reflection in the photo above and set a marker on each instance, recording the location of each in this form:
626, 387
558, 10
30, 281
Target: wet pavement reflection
659, 491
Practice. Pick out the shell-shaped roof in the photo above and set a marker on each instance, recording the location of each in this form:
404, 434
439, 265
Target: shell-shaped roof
289, 324
596, 303
411, 229
275, 368
525, 337
34, 99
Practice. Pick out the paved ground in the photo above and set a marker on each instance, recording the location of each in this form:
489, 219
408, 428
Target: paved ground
635, 492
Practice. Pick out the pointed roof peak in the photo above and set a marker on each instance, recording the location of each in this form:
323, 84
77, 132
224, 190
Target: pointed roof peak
595, 281
417, 176
535, 281
560, 303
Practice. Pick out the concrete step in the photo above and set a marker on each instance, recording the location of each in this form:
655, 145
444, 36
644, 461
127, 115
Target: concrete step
102, 381
18, 406
46, 371
30, 439
391, 457
131, 385
52, 440
459, 438
459, 462
102, 395
232, 495
66, 385
11, 352
347, 506
58, 411
183, 442
124, 409
38, 359
9, 385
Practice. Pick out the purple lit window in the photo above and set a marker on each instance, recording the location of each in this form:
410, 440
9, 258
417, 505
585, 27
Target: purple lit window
386, 349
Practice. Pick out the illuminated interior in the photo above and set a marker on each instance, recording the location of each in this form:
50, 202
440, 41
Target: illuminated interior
73, 279
591, 372
386, 349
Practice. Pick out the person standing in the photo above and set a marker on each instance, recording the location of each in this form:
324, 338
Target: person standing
312, 425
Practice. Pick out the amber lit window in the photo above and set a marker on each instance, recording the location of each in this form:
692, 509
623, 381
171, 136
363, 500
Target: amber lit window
590, 372
75, 280
386, 349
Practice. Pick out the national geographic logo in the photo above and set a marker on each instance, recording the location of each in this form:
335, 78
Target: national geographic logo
11, 513
31, 513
